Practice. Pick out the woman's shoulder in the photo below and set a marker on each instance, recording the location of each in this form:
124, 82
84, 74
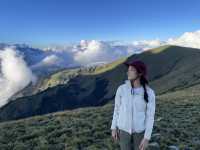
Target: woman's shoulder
150, 90
121, 87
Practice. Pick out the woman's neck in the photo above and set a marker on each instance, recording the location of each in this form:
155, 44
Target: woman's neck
136, 83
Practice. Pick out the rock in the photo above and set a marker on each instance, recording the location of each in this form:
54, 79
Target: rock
173, 147
159, 119
153, 146
196, 140
187, 148
155, 137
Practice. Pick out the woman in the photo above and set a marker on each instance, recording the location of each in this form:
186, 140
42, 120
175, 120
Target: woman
134, 109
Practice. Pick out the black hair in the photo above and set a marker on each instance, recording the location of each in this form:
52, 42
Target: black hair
144, 82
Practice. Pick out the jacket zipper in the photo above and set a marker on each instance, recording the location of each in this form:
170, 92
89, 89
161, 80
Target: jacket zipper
132, 107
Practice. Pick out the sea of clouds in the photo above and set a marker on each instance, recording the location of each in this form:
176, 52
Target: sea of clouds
15, 73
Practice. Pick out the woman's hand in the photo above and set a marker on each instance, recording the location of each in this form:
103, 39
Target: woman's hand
144, 143
115, 134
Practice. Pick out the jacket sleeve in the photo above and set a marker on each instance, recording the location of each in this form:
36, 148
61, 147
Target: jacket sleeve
116, 108
150, 112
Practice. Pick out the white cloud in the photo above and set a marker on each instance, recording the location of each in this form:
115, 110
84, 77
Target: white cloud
15, 74
97, 51
92, 51
188, 39
88, 52
147, 44
56, 56
48, 61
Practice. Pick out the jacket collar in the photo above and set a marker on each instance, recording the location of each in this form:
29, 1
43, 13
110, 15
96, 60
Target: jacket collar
128, 83
129, 86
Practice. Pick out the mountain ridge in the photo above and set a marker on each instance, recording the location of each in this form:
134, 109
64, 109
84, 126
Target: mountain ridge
86, 90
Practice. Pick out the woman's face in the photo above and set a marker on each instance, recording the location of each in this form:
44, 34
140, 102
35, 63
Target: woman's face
132, 72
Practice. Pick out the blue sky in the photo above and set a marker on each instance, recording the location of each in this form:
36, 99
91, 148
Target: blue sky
44, 22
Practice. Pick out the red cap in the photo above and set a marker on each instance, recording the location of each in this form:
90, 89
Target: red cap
139, 65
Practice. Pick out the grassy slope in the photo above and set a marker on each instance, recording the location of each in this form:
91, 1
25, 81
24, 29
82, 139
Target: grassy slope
168, 64
177, 121
85, 90
62, 77
177, 114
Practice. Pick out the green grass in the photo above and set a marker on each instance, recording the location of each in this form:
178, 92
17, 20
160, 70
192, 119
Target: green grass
177, 85
62, 77
177, 121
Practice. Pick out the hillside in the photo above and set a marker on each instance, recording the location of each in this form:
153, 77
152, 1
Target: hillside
176, 124
63, 76
172, 65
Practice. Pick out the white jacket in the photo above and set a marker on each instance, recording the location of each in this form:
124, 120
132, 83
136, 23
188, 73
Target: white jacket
131, 112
